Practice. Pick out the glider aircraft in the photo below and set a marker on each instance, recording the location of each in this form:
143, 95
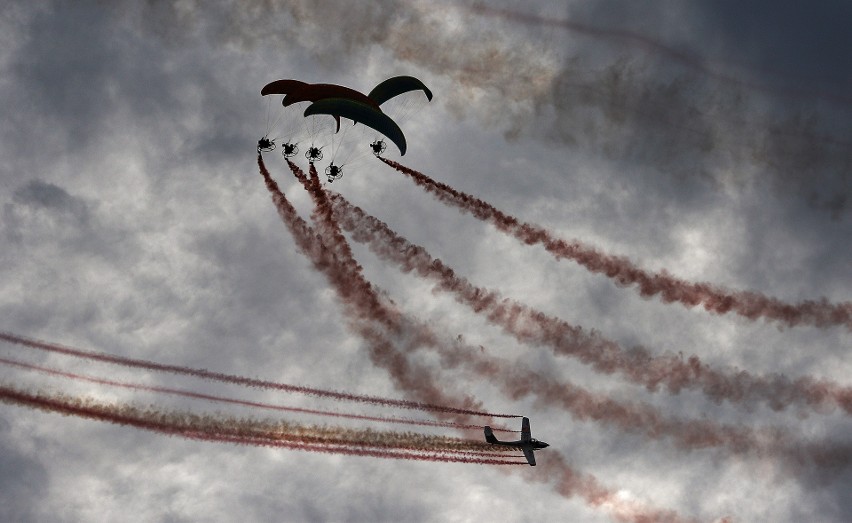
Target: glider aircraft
527, 443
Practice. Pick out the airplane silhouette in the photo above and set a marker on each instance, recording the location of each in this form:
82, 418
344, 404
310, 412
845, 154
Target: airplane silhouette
527, 443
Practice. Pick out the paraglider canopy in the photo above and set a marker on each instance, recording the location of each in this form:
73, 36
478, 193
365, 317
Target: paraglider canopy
363, 114
380, 114
396, 86
282, 87
315, 92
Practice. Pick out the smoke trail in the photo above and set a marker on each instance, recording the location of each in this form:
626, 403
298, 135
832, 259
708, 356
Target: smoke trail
260, 432
324, 219
361, 296
750, 305
243, 403
447, 457
530, 326
354, 451
341, 268
570, 483
217, 424
446, 352
233, 379
685, 434
519, 382
361, 303
348, 274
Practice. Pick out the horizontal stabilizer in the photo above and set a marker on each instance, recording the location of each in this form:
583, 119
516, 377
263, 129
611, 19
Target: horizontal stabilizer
528, 453
489, 435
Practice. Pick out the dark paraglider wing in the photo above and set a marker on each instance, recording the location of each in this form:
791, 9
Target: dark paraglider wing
396, 86
316, 92
361, 113
282, 87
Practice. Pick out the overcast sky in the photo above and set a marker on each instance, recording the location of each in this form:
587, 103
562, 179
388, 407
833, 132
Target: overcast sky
709, 139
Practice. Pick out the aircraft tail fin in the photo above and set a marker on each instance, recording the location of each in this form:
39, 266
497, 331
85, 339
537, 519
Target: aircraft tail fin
489, 435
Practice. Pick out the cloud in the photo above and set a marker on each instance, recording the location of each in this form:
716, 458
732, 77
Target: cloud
39, 194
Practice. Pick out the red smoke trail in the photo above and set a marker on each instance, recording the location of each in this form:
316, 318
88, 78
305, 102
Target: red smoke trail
685, 434
244, 403
684, 58
339, 265
324, 218
713, 298
379, 340
348, 275
218, 424
361, 303
354, 451
570, 483
233, 379
210, 428
438, 456
517, 381
364, 305
530, 326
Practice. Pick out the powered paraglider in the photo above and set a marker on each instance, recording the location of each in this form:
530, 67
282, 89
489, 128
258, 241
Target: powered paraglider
307, 107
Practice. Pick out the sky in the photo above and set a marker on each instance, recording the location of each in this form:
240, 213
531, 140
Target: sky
695, 141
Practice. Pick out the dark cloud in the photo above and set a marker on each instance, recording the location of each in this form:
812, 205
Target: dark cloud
52, 198
66, 77
676, 112
803, 49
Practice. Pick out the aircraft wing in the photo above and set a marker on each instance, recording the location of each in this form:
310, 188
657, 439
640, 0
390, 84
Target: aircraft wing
528, 453
526, 435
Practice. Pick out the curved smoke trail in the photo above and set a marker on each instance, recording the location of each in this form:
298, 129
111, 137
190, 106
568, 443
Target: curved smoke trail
631, 417
534, 327
713, 298
333, 236
517, 381
368, 315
